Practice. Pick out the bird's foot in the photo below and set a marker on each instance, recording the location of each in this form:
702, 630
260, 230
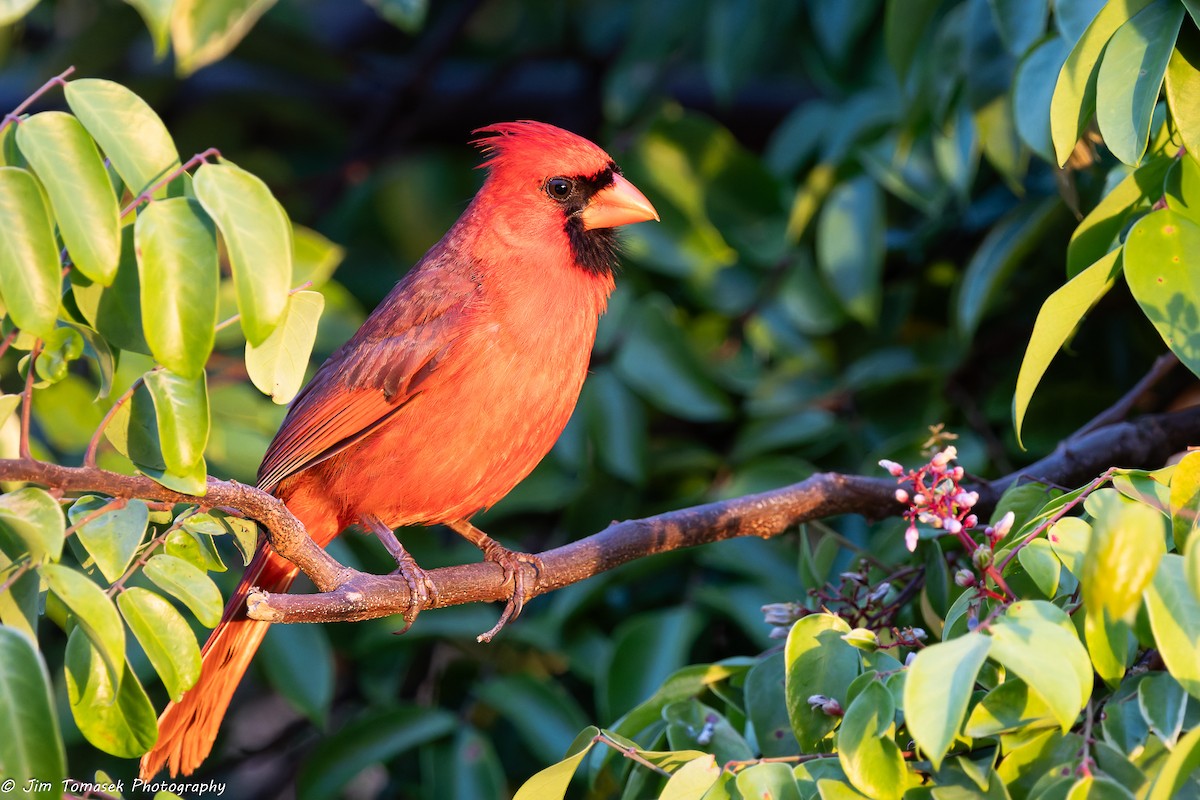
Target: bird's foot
422, 593
512, 562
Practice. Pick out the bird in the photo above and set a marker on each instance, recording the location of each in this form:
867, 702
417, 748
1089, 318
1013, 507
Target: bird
450, 393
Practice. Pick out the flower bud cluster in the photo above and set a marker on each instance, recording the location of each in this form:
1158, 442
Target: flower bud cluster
937, 498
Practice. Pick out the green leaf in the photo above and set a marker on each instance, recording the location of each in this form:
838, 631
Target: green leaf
165, 636
937, 690
32, 746
866, 749
1162, 267
1074, 98
299, 663
30, 272
1174, 611
36, 519
1099, 231
1126, 544
204, 31
369, 740
157, 16
546, 717
115, 311
658, 362
10, 12
552, 782
772, 727
1020, 641
81, 195
314, 258
407, 15
696, 777
1071, 537
1013, 238
905, 23
181, 407
1032, 94
1178, 769
1163, 703
1020, 23
95, 613
1109, 644
258, 236
1056, 321
1182, 190
128, 131
1072, 17
850, 247
1011, 706
277, 366
647, 649
820, 662
1183, 92
1042, 565
112, 538
767, 781
1131, 75
245, 536
20, 604
187, 583
680, 685
177, 266
196, 549
117, 718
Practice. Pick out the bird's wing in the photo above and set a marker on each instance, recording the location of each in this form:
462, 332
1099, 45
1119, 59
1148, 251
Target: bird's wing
396, 354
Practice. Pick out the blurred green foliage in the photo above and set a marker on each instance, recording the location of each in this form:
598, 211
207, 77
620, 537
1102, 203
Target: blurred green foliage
862, 213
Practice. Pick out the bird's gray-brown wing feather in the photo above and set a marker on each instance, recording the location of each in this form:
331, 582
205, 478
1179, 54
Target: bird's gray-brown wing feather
400, 350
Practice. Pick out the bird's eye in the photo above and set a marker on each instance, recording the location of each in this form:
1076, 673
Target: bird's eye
558, 188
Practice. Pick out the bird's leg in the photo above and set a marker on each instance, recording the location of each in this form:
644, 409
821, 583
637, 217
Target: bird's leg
420, 588
510, 561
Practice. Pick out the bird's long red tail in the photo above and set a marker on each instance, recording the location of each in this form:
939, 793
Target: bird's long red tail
188, 728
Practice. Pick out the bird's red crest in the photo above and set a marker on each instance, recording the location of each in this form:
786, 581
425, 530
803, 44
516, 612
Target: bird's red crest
540, 147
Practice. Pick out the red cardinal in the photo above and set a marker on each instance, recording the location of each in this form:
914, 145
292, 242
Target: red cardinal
450, 393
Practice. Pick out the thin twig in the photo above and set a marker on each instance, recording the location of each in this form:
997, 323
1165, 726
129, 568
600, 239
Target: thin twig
27, 400
8, 340
15, 114
89, 456
629, 752
1162, 367
16, 575
119, 584
147, 194
115, 504
1099, 481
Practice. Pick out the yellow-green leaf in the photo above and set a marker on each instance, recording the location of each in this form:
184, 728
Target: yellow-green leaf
177, 266
30, 272
258, 236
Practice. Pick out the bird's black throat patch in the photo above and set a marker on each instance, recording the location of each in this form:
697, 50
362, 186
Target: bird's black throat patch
595, 251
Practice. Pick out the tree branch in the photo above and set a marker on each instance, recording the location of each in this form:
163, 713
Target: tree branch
347, 595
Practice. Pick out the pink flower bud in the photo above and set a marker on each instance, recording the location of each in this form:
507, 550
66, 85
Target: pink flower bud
951, 525
901, 496
957, 473
892, 467
945, 457
919, 499
971, 521
1005, 524
964, 578
910, 538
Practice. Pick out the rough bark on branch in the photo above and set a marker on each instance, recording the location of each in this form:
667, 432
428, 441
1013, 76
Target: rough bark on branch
346, 594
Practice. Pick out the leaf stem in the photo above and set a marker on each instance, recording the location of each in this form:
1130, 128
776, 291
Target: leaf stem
89, 456
15, 114
119, 584
225, 323
1099, 481
27, 400
148, 193
8, 340
114, 504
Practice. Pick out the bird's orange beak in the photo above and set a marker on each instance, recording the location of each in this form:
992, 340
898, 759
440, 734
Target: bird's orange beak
618, 204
